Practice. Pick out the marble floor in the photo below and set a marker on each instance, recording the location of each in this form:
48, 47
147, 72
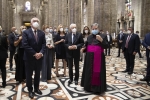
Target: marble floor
120, 86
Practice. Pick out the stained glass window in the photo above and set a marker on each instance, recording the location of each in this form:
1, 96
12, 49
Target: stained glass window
27, 6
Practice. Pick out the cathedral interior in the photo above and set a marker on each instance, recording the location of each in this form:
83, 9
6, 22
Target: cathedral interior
111, 15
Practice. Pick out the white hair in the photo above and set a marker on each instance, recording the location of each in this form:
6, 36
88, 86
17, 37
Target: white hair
72, 25
35, 18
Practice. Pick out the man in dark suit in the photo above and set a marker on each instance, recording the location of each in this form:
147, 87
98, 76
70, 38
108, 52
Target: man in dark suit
109, 40
146, 44
119, 41
11, 38
137, 32
3, 56
73, 42
34, 47
130, 47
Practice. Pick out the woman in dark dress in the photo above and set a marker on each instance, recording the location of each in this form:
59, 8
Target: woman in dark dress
20, 66
94, 71
86, 33
60, 49
48, 55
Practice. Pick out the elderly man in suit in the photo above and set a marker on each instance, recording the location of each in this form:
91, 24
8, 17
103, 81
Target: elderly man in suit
34, 47
146, 44
3, 56
11, 38
119, 41
130, 48
73, 42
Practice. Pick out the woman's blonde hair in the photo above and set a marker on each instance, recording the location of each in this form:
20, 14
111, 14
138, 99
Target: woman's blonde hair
59, 26
22, 27
45, 27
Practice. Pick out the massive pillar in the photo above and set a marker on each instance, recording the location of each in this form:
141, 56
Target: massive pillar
90, 12
137, 8
104, 13
75, 13
145, 26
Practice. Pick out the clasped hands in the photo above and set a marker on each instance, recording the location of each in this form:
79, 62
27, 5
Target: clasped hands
49, 46
38, 55
62, 40
73, 47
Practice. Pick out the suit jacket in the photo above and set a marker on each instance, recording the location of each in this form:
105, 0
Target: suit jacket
118, 38
3, 47
12, 37
31, 47
110, 42
146, 43
78, 42
133, 44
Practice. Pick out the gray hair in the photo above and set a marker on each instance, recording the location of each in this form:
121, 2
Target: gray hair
35, 18
95, 24
72, 25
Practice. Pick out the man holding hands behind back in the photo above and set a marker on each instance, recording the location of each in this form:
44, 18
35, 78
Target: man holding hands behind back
34, 47
73, 42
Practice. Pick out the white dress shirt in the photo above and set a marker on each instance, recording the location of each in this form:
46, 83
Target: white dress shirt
108, 37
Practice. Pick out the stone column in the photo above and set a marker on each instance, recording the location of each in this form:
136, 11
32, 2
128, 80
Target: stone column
90, 12
3, 14
46, 14
75, 13
137, 8
145, 26
50, 3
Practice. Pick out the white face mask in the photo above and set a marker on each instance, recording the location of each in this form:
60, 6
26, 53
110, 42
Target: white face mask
129, 31
120, 31
16, 31
35, 24
74, 30
86, 31
47, 30
61, 29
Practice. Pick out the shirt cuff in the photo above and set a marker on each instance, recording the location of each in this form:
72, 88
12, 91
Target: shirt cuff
41, 54
76, 47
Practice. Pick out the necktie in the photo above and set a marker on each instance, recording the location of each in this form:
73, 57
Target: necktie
120, 36
35, 35
127, 41
73, 38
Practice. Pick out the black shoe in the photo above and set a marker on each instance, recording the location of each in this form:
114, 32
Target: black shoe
76, 82
144, 79
38, 91
141, 57
148, 82
31, 95
118, 56
125, 71
4, 84
130, 73
69, 82
11, 69
109, 55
